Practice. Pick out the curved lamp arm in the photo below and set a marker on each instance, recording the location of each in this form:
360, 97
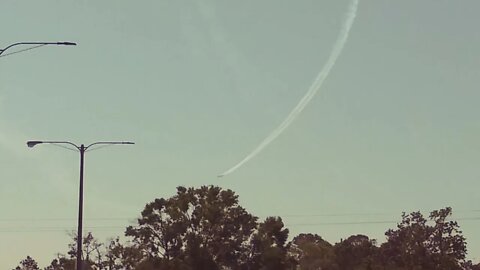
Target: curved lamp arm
60, 43
96, 143
33, 143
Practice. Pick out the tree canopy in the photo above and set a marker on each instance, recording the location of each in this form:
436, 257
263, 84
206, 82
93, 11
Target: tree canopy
206, 228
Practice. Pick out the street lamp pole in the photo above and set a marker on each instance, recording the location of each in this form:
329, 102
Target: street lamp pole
80, 210
60, 43
82, 149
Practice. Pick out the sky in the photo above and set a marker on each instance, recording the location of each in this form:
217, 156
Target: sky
198, 84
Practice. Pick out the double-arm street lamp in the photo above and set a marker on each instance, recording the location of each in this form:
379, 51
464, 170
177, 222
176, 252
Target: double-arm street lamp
82, 149
62, 43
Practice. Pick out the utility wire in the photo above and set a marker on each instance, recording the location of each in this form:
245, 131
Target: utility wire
58, 229
116, 227
64, 219
362, 214
367, 222
261, 216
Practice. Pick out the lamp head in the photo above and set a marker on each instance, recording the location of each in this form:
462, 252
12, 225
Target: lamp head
67, 43
33, 143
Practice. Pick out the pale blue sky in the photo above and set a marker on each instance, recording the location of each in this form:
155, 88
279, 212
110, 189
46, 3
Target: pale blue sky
197, 85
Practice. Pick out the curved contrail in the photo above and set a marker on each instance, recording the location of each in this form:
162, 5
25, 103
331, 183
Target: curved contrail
316, 85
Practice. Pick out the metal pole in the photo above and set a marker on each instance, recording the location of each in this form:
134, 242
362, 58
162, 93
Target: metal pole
80, 210
82, 150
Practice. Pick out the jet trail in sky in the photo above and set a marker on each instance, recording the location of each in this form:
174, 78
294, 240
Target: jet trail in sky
316, 85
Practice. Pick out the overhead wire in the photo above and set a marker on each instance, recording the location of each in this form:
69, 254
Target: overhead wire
11, 229
260, 216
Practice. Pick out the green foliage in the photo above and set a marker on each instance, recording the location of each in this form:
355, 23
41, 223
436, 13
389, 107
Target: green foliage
91, 251
206, 228
118, 256
312, 252
417, 245
468, 265
268, 246
61, 263
357, 252
27, 264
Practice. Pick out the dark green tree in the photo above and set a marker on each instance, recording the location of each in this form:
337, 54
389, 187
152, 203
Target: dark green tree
120, 256
446, 242
269, 248
62, 263
27, 264
93, 255
418, 243
202, 228
313, 252
206, 228
357, 252
468, 265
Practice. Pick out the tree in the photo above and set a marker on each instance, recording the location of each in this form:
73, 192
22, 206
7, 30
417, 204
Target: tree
313, 252
417, 245
446, 242
27, 264
206, 228
268, 246
357, 252
91, 251
120, 256
62, 263
202, 228
468, 265
93, 255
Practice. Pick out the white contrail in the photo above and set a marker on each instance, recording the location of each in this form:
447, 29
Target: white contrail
316, 85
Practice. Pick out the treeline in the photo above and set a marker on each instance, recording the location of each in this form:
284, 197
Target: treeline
206, 228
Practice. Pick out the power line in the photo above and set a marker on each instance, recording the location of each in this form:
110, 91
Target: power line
364, 214
116, 227
284, 215
57, 229
367, 222
65, 219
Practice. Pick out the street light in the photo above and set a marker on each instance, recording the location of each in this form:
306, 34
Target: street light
61, 43
82, 150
